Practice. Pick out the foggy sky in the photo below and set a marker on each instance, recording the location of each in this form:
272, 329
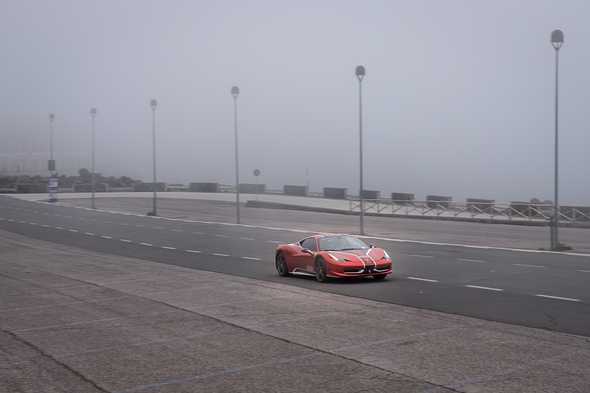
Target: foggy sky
458, 94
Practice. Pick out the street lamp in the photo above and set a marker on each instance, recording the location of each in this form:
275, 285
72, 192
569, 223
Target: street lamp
92, 178
556, 42
51, 162
153, 105
360, 74
235, 92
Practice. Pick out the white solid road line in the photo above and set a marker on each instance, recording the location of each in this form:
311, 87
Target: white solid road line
193, 251
106, 237
146, 244
422, 279
527, 265
471, 260
569, 299
251, 258
125, 240
485, 288
169, 248
217, 254
420, 256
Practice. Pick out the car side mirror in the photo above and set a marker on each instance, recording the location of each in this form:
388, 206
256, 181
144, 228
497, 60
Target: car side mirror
371, 246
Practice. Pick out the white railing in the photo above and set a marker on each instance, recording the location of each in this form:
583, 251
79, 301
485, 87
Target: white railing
477, 211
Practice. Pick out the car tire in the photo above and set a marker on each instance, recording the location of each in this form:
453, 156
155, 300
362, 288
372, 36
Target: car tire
320, 270
380, 277
281, 265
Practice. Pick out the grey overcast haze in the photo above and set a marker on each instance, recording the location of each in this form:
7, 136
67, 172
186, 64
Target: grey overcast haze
458, 95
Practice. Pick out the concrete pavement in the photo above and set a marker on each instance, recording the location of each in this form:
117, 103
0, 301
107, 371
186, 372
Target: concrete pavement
72, 320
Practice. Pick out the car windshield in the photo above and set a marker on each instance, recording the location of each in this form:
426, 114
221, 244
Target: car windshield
341, 243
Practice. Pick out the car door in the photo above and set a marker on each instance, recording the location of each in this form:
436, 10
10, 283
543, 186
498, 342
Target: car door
303, 257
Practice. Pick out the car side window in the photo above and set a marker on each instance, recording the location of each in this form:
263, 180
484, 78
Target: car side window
309, 244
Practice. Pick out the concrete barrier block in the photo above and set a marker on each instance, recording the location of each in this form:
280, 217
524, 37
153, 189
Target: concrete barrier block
435, 201
295, 190
204, 187
249, 188
335, 192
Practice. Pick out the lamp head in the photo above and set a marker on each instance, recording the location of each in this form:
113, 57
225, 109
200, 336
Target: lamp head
235, 91
557, 39
153, 104
360, 72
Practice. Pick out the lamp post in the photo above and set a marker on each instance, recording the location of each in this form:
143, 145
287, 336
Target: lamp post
92, 137
556, 42
235, 92
153, 105
360, 74
51, 162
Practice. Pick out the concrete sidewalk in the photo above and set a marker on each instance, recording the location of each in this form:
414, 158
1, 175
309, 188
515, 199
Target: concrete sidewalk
77, 321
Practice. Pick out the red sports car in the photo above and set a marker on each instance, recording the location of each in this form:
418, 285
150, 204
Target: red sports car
332, 256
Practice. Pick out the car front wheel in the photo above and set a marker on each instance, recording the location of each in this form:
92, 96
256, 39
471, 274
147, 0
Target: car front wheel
320, 270
281, 265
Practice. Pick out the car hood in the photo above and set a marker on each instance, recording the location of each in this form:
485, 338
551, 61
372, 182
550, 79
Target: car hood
354, 255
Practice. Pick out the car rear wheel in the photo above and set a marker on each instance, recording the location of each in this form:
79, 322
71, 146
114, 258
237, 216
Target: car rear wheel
380, 277
281, 265
320, 270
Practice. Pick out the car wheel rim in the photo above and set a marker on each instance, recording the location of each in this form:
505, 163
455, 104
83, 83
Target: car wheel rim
281, 265
320, 273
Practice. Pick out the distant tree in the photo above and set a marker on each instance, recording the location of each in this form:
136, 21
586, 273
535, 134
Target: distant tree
85, 175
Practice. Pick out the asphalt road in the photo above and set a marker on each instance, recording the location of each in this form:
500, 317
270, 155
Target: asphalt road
529, 288
457, 232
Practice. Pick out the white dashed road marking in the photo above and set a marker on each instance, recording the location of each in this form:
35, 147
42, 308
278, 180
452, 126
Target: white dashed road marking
220, 235
471, 260
177, 230
197, 233
125, 240
484, 288
58, 228
246, 238
584, 271
422, 279
273, 241
89, 233
193, 251
569, 299
217, 254
527, 265
146, 244
73, 230
106, 237
251, 258
169, 248
420, 256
